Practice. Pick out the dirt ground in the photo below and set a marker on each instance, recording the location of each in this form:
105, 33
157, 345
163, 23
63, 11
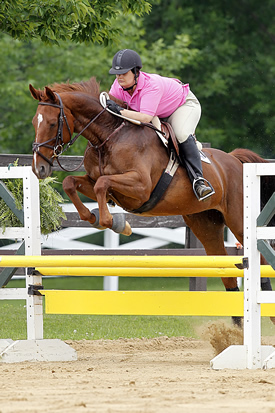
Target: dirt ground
158, 375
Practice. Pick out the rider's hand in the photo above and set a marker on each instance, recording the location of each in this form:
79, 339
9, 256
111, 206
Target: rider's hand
114, 107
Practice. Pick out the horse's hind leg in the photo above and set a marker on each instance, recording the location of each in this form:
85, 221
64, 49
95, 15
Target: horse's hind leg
236, 226
208, 226
265, 282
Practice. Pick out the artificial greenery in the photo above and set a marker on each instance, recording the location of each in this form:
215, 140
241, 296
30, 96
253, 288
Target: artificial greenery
51, 213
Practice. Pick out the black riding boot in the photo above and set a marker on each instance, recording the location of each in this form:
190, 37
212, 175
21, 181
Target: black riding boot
190, 158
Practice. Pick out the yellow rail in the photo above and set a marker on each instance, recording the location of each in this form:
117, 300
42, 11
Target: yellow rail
266, 271
121, 261
172, 303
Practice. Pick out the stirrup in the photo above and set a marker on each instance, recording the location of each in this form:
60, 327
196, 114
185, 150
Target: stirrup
204, 181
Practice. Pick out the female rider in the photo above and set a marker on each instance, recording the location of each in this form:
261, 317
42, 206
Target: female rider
150, 95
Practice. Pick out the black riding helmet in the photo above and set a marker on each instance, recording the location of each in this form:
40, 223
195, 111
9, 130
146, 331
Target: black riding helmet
125, 60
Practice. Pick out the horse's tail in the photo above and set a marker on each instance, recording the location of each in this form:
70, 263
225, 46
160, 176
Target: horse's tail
247, 156
267, 182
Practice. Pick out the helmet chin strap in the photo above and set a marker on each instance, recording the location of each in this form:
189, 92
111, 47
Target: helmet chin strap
131, 87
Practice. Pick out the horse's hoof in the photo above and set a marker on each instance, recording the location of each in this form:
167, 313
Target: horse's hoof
127, 230
237, 321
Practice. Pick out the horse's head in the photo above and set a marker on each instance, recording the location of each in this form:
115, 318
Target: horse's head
53, 128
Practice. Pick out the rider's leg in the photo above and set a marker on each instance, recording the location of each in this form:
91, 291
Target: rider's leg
184, 122
190, 157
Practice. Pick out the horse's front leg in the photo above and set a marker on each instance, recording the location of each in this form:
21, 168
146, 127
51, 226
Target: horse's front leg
83, 184
130, 184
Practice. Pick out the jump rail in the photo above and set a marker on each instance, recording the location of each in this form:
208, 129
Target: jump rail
176, 303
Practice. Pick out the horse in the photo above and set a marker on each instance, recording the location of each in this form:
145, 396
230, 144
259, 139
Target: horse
124, 162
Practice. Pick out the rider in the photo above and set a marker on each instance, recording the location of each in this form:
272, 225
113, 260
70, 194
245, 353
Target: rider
150, 95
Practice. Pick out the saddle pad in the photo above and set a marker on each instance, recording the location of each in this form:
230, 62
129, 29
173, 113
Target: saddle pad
204, 158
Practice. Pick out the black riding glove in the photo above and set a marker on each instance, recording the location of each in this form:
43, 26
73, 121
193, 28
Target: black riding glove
113, 106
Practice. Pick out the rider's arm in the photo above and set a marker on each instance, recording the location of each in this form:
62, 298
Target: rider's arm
142, 117
128, 113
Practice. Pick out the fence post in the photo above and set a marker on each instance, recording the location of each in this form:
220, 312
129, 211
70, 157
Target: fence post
32, 247
252, 309
111, 240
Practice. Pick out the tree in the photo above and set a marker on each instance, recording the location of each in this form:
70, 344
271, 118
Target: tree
225, 52
56, 20
233, 72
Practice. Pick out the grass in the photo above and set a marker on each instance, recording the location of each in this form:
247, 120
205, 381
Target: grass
92, 327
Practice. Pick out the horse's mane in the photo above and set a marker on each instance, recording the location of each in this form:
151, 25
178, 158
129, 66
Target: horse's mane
91, 86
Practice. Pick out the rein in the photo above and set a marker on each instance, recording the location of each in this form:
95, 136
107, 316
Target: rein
59, 145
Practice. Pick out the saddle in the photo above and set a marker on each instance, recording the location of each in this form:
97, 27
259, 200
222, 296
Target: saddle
170, 136
166, 134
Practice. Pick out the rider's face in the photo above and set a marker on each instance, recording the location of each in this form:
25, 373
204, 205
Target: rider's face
126, 80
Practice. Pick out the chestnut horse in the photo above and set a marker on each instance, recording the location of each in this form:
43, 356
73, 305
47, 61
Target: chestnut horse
124, 162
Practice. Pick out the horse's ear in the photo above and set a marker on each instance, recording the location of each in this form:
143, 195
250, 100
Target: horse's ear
50, 95
36, 94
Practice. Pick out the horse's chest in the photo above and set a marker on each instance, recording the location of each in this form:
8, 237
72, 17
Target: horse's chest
115, 160
103, 169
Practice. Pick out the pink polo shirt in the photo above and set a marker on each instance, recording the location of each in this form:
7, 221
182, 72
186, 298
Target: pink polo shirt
154, 95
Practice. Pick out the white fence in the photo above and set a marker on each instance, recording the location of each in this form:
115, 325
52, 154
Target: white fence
31, 234
252, 354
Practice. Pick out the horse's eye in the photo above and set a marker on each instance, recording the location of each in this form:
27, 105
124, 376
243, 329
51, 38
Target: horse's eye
52, 125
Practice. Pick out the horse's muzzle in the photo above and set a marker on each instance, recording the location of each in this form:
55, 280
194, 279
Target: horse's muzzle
40, 168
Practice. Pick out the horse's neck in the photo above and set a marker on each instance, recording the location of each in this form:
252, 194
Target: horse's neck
84, 109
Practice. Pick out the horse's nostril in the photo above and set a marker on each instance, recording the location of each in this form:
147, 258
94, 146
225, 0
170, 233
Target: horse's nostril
43, 172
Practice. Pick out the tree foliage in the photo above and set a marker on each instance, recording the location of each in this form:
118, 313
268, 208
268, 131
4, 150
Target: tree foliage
233, 72
56, 20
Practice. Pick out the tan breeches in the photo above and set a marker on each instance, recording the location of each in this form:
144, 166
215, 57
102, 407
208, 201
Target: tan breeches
186, 118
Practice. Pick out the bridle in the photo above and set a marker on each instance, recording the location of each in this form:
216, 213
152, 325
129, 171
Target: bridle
57, 143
